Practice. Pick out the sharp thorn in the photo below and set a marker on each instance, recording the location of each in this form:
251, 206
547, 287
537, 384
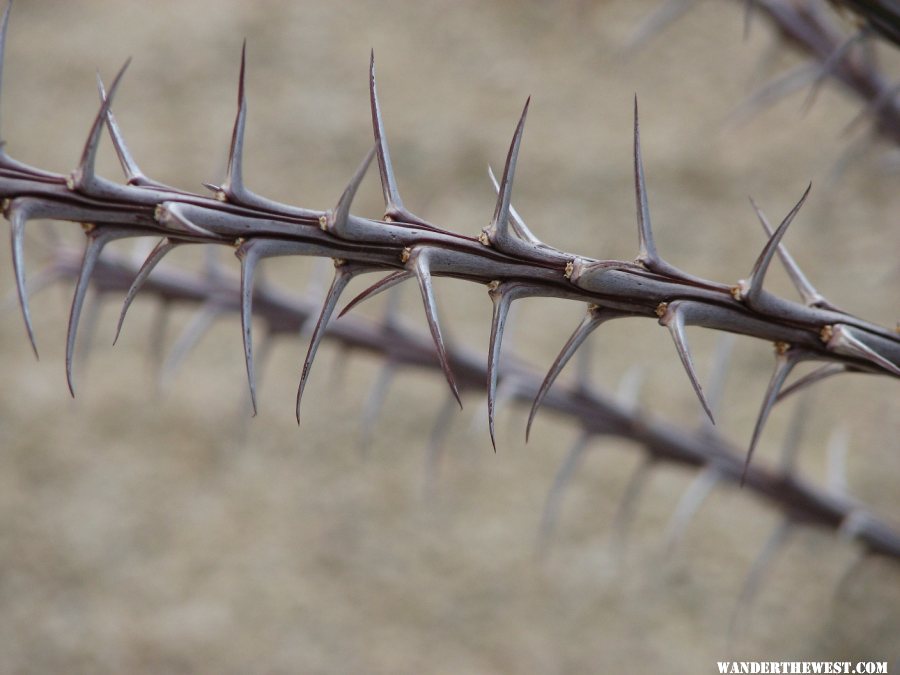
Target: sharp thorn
84, 176
502, 297
384, 284
339, 216
498, 230
233, 185
18, 215
250, 257
158, 253
342, 277
595, 317
784, 364
518, 223
421, 264
392, 201
751, 288
647, 247
674, 320
844, 341
133, 173
820, 373
811, 297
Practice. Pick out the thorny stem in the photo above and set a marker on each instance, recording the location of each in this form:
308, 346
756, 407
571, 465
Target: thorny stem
595, 412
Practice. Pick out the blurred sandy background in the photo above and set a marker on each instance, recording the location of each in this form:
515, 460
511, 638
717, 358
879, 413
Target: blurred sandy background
145, 532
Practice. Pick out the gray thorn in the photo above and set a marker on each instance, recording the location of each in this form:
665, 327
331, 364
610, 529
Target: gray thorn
674, 320
158, 253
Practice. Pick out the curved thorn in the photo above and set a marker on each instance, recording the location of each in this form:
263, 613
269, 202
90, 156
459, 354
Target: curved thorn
502, 298
83, 175
689, 504
421, 264
342, 276
553, 501
595, 317
844, 341
384, 284
392, 201
752, 286
518, 223
233, 185
784, 364
18, 215
673, 319
338, 217
647, 247
96, 241
158, 253
811, 297
499, 226
250, 257
133, 173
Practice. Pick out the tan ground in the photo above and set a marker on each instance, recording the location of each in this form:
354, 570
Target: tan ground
167, 533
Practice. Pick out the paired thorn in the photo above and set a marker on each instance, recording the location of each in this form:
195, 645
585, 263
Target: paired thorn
233, 185
133, 173
811, 297
673, 316
343, 274
158, 253
786, 358
749, 290
18, 213
380, 286
518, 223
84, 178
497, 232
336, 219
249, 256
595, 317
502, 295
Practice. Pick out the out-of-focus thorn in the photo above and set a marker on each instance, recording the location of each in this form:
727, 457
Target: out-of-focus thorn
771, 92
820, 373
844, 340
497, 231
715, 390
689, 504
97, 239
343, 274
158, 253
380, 286
749, 9
830, 65
158, 327
39, 282
4, 25
374, 404
751, 288
84, 178
337, 218
791, 444
196, 328
757, 572
811, 297
872, 109
663, 16
785, 360
836, 469
628, 393
853, 152
595, 317
436, 441
628, 503
421, 263
517, 222
673, 319
553, 501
